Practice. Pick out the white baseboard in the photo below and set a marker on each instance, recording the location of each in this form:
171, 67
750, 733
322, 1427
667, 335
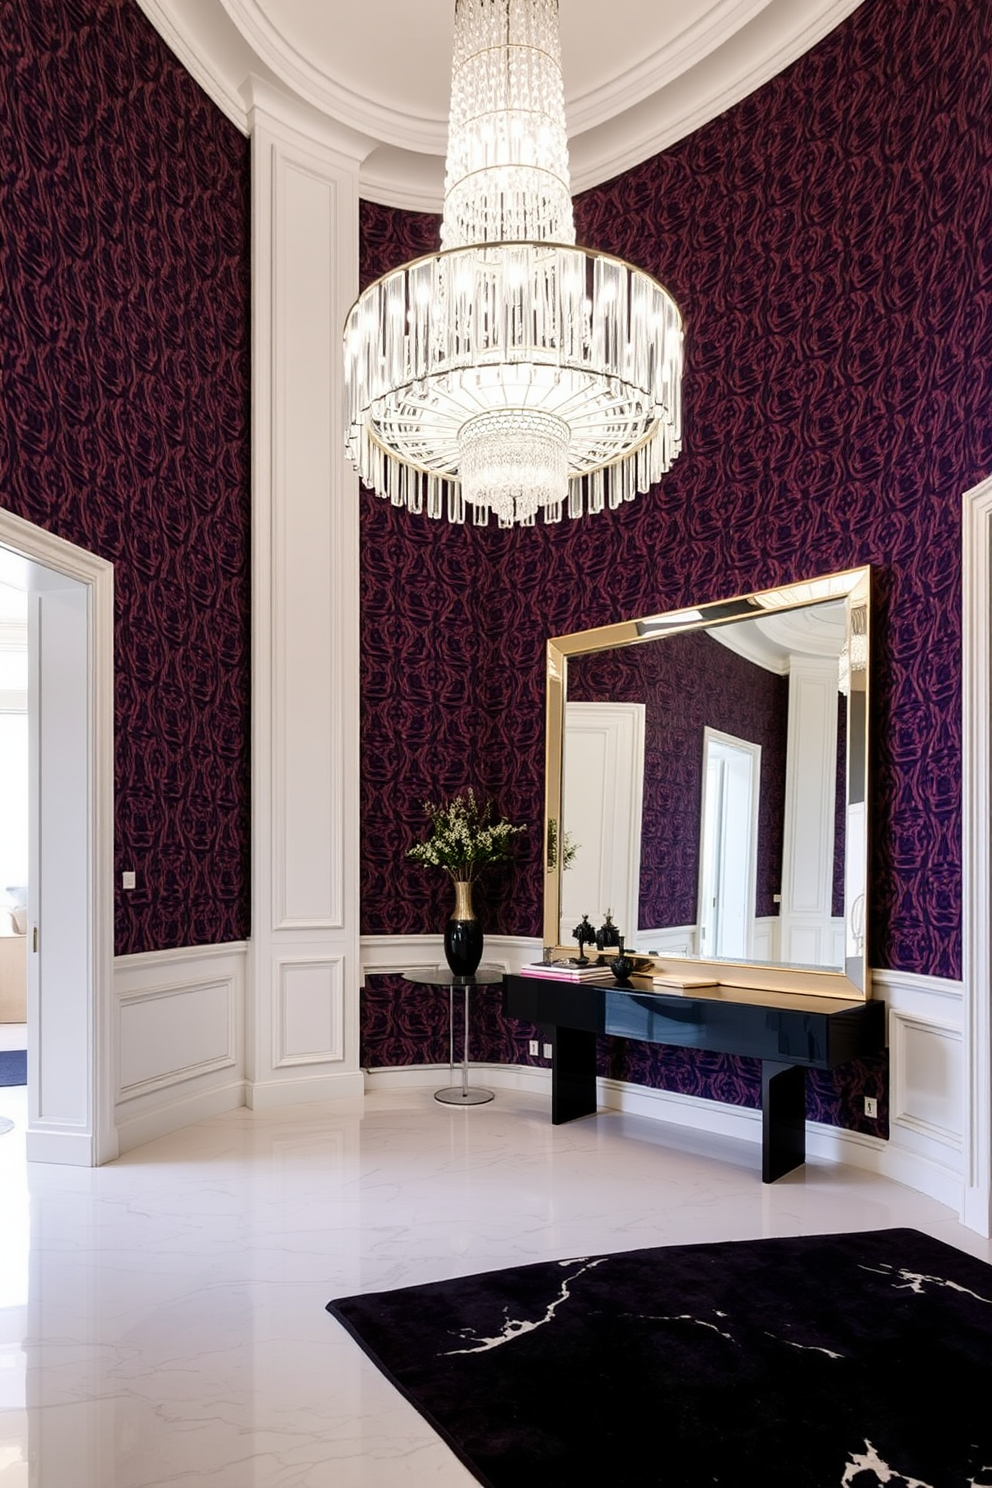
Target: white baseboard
533, 1080
164, 1117
268, 1095
60, 1147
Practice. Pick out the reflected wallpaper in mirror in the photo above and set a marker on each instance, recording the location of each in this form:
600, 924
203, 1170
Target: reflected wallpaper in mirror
710, 781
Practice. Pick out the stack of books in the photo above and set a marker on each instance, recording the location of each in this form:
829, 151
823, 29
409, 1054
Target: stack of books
674, 981
568, 971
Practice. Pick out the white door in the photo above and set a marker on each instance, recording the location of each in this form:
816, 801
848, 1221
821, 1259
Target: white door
602, 802
70, 810
58, 874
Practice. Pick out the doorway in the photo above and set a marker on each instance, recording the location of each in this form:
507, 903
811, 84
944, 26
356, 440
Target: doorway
69, 928
728, 841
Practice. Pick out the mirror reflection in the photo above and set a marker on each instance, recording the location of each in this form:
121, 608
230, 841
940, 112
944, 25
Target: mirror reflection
712, 779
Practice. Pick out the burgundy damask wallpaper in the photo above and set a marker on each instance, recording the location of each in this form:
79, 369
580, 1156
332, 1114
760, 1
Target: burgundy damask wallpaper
829, 241
125, 345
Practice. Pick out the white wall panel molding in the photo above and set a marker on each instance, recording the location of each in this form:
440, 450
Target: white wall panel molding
174, 1032
180, 1024
389, 955
977, 854
309, 1012
128, 970
305, 968
927, 996
927, 1079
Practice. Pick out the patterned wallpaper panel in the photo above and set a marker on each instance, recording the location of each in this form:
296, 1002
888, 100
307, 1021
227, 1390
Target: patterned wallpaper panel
125, 422
829, 240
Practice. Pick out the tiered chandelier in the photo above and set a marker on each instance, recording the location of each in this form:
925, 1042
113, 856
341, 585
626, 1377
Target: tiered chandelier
512, 370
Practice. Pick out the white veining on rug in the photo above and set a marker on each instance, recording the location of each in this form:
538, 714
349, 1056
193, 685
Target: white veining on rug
870, 1461
162, 1319
682, 1317
514, 1328
808, 1348
915, 1281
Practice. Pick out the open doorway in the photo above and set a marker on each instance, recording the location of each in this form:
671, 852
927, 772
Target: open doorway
68, 599
728, 846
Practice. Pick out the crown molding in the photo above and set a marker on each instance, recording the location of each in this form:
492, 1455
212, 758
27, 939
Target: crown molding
350, 105
195, 44
723, 55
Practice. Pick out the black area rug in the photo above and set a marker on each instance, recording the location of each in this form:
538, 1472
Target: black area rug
13, 1067
834, 1361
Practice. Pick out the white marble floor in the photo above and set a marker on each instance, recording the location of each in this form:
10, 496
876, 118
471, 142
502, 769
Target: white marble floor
162, 1318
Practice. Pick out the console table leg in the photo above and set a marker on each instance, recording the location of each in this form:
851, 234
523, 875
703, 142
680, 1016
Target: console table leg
573, 1074
783, 1119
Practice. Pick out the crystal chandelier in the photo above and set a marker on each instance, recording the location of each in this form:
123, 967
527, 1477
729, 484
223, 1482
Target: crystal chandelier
512, 370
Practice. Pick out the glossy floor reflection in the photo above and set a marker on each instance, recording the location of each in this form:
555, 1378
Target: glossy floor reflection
162, 1319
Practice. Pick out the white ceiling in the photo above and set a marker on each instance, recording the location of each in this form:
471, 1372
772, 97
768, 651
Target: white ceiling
639, 74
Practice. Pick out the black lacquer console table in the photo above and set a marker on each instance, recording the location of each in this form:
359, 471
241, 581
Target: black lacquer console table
788, 1032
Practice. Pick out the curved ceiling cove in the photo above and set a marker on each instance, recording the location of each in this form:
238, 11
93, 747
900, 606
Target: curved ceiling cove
381, 71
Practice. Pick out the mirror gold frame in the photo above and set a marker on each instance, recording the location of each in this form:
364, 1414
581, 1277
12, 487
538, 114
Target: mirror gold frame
853, 586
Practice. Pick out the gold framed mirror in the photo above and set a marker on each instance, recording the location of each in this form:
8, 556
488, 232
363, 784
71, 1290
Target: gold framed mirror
707, 784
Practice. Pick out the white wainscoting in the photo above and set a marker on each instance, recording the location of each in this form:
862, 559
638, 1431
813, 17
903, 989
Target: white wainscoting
927, 1062
390, 955
179, 1038
673, 940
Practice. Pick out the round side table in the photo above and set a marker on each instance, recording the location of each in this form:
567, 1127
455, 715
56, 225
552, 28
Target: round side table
439, 976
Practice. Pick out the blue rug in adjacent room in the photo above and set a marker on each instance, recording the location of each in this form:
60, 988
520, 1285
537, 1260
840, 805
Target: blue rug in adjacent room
13, 1067
829, 1361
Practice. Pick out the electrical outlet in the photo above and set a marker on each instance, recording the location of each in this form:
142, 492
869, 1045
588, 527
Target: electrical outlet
534, 1047
548, 1051
871, 1106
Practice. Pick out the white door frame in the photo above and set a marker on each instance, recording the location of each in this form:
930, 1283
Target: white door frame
94, 1140
976, 771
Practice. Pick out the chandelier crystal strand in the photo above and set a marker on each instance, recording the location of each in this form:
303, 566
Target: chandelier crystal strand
512, 372
507, 177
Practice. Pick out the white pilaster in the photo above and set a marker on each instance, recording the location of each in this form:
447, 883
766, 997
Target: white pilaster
302, 1025
810, 803
977, 855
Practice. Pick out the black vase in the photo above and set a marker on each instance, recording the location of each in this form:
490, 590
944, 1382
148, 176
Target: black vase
622, 966
463, 934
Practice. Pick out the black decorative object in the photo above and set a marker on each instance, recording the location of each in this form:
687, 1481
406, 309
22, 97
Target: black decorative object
585, 935
608, 934
622, 965
810, 1360
463, 937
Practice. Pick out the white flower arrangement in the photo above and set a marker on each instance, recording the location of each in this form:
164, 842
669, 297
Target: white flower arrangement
463, 837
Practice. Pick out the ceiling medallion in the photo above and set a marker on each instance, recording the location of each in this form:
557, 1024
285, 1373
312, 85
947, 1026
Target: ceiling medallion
512, 371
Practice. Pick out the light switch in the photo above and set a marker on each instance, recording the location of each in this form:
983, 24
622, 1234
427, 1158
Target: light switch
128, 878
